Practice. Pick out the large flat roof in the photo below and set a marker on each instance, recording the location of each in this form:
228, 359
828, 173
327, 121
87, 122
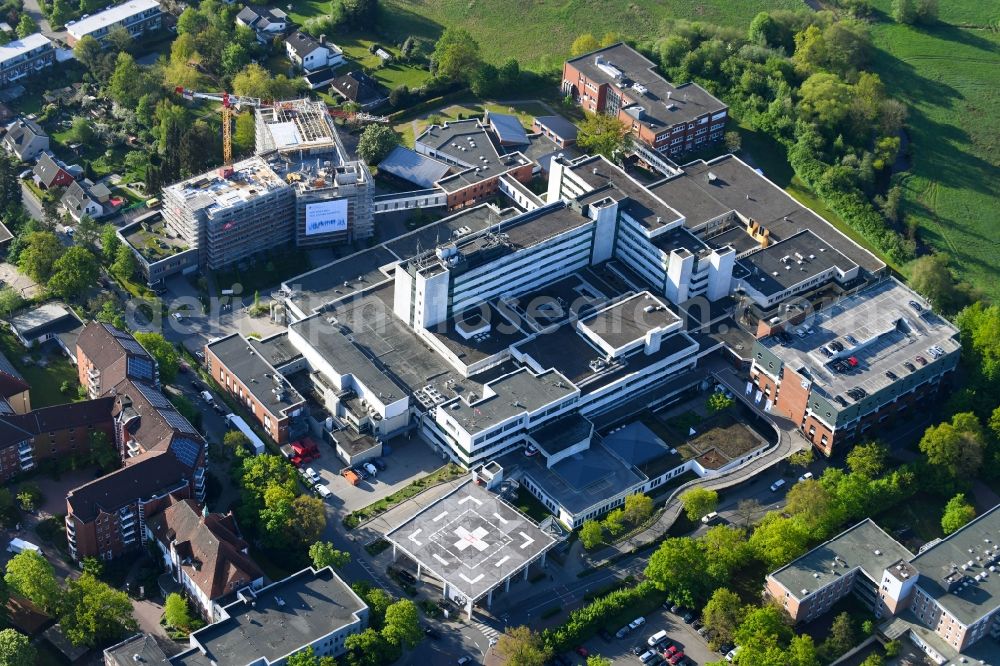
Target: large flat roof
214, 192
664, 103
889, 333
864, 545
257, 374
20, 47
630, 319
609, 181
110, 17
516, 393
471, 539
966, 555
707, 190
792, 261
283, 617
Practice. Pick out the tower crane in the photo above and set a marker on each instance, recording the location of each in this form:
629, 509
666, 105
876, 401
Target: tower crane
229, 103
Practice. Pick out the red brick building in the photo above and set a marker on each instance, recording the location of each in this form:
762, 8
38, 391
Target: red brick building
244, 369
619, 81
163, 454
50, 433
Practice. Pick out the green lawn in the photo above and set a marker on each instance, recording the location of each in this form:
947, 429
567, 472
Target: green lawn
949, 77
525, 112
541, 32
45, 381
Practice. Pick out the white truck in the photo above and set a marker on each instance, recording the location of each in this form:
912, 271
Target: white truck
20, 545
238, 423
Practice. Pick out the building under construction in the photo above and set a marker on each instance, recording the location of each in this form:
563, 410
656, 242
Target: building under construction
333, 193
301, 187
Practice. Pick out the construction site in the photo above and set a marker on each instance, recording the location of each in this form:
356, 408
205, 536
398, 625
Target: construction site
301, 187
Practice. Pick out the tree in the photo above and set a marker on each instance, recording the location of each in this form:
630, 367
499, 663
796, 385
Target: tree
88, 52
59, 13
957, 447
801, 458
110, 242
236, 443
10, 300
957, 512
360, 13
484, 80
764, 30
591, 534
678, 567
769, 620
323, 554
26, 26
931, 276
812, 502
719, 401
638, 507
111, 313
310, 518
87, 233
725, 550
277, 515
125, 264
598, 660
699, 501
842, 636
522, 646
378, 601
94, 613
366, 649
41, 249
253, 81
746, 509
376, 142
734, 141
776, 540
456, 54
93, 566
124, 86
176, 611
30, 575
802, 651
868, 460
163, 352
15, 647
73, 273
585, 43
402, 624
119, 39
723, 614
603, 134
244, 137
614, 522
81, 131
826, 99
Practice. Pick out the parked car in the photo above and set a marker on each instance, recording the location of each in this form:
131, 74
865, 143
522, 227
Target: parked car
638, 649
688, 617
464, 660
313, 475
777, 485
530, 450
623, 632
806, 476
323, 491
432, 633
378, 462
405, 575
371, 469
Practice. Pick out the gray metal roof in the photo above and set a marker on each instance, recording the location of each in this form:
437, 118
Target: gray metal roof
508, 128
559, 126
413, 167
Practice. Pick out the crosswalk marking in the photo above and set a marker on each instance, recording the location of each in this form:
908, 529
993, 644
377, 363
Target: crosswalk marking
486, 630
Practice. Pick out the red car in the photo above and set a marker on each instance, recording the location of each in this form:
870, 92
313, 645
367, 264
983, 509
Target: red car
582, 651
676, 659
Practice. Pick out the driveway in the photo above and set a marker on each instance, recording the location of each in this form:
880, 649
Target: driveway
18, 281
682, 635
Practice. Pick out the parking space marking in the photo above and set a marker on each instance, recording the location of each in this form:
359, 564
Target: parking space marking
502, 560
413, 538
439, 516
500, 518
439, 559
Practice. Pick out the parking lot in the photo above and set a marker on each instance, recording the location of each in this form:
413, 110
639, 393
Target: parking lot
410, 459
681, 634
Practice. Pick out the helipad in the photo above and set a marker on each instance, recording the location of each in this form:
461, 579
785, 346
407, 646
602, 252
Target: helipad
472, 540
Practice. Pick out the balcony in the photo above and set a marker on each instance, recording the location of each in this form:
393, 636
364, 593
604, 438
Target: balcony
25, 447
70, 528
133, 448
93, 373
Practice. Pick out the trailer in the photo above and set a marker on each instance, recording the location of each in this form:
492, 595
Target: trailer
241, 425
20, 546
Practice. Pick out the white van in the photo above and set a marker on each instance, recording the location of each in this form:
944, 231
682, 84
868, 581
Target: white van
656, 638
732, 654
207, 397
20, 545
776, 485
323, 491
371, 469
710, 518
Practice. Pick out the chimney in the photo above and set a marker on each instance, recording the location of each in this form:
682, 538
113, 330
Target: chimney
322, 40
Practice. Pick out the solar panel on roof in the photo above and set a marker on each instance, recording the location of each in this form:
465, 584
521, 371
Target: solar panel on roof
175, 420
155, 398
132, 346
186, 450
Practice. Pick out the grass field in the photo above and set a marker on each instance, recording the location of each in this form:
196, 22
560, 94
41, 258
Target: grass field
525, 112
545, 29
949, 77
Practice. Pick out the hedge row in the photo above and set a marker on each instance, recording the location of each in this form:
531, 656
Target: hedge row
584, 622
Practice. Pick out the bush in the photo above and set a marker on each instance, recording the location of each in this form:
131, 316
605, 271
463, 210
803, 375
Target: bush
584, 622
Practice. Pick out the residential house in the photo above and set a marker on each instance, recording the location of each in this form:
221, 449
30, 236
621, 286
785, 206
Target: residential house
310, 54
105, 356
25, 139
50, 172
267, 22
50, 433
25, 57
361, 89
49, 321
86, 198
205, 554
136, 16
